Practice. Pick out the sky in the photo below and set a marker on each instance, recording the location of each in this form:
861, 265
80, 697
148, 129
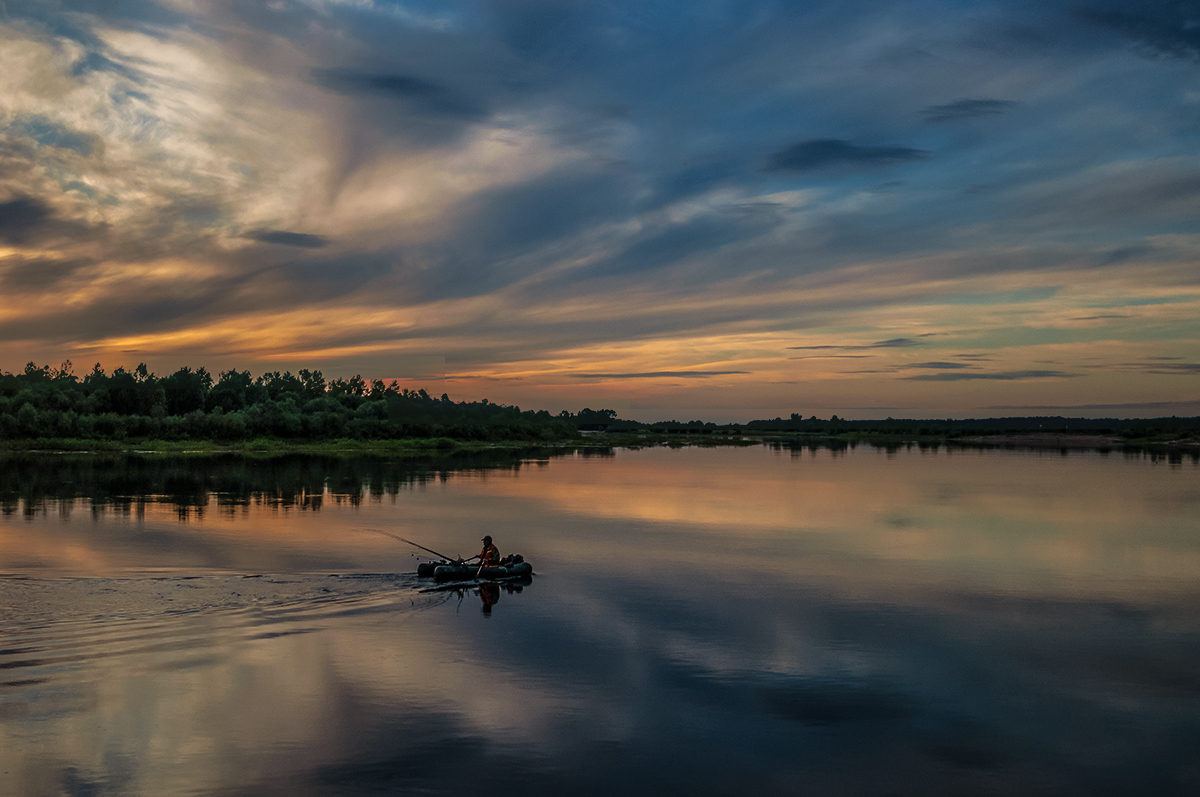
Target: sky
716, 210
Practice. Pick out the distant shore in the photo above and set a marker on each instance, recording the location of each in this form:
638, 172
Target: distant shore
419, 447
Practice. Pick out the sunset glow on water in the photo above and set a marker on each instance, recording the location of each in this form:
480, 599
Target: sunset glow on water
940, 619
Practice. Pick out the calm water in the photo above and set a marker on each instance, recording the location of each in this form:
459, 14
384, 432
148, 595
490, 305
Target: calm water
704, 621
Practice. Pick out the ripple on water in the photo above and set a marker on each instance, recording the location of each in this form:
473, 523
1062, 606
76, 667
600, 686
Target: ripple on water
52, 626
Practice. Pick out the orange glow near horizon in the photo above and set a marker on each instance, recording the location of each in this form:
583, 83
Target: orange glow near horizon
250, 202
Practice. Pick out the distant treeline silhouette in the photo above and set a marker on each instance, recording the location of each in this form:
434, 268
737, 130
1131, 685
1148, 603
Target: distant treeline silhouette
54, 403
190, 404
1129, 428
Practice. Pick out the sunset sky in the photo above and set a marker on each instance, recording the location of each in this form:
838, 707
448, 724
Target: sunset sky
717, 210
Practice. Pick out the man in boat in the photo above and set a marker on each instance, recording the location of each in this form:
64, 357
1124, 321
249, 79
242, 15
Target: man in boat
489, 556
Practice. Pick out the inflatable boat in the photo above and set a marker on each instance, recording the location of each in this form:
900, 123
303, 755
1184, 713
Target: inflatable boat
453, 571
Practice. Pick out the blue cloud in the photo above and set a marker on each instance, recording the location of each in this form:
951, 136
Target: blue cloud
961, 110
1162, 27
422, 96
22, 218
49, 134
283, 237
671, 129
820, 154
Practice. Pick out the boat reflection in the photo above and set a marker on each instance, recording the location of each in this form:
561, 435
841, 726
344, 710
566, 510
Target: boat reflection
488, 592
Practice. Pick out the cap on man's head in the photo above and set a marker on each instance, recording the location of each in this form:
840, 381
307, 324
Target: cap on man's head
488, 538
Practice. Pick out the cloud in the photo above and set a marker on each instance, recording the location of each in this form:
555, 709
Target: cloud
897, 343
1159, 367
50, 134
98, 62
822, 154
939, 365
891, 343
1134, 406
417, 94
1162, 28
285, 238
656, 374
1116, 195
1005, 376
22, 218
535, 180
19, 274
961, 110
28, 220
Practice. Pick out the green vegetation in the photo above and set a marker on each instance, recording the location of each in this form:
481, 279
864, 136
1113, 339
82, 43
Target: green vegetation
1129, 430
188, 407
1139, 429
191, 411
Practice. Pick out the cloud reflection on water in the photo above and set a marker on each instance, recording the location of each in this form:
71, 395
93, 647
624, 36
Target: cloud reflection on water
917, 624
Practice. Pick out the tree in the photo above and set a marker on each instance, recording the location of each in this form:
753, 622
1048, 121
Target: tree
279, 385
27, 421
186, 390
65, 373
314, 383
235, 391
37, 376
354, 386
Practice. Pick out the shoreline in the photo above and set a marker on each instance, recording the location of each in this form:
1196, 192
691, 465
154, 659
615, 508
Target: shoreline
424, 447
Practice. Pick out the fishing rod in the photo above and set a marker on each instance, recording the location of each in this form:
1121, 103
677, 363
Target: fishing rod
415, 545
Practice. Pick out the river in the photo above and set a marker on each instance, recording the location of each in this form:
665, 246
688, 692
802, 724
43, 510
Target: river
723, 620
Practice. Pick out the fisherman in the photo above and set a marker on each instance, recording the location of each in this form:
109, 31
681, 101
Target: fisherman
489, 556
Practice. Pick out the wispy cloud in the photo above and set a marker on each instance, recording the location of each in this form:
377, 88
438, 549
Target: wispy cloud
285, 238
601, 190
1002, 376
1129, 406
1161, 365
1163, 28
891, 343
657, 374
961, 110
821, 154
419, 95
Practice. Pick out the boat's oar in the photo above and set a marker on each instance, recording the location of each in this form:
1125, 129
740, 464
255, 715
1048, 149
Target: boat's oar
415, 545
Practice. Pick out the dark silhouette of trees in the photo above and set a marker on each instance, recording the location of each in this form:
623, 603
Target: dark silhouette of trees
44, 402
186, 390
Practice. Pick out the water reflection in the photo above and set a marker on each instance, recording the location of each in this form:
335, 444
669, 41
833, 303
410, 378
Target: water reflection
715, 621
35, 483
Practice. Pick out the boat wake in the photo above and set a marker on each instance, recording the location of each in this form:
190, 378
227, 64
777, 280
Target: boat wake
52, 626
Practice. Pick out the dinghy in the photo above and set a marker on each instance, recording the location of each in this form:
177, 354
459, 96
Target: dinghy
515, 567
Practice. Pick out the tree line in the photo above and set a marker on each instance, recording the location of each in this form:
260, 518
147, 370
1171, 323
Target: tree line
46, 402
53, 403
1130, 428
1163, 429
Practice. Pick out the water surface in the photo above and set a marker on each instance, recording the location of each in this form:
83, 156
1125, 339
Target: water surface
715, 621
